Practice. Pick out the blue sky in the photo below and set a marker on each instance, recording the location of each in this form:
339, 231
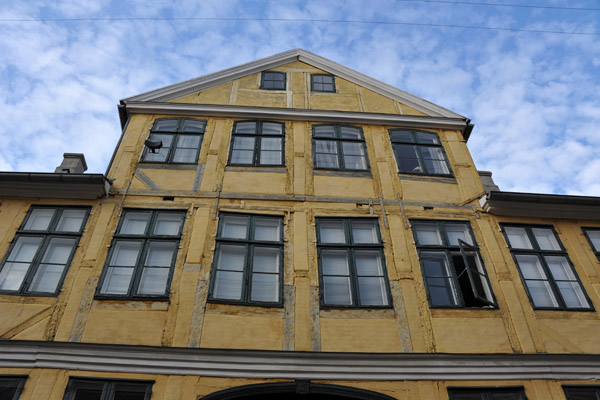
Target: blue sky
534, 97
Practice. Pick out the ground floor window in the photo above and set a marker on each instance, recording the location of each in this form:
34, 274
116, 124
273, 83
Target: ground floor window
582, 392
104, 389
496, 393
11, 387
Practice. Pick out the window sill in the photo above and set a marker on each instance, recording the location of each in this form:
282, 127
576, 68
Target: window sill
216, 306
464, 312
242, 168
358, 312
428, 178
348, 174
176, 167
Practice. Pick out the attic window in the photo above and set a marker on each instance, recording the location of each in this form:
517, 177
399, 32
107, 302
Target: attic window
322, 83
273, 80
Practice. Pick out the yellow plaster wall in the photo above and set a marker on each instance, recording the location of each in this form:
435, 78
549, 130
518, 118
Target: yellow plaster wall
339, 186
125, 327
242, 332
254, 182
470, 335
373, 335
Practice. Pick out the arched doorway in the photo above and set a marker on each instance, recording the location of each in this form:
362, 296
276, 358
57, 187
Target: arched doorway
298, 390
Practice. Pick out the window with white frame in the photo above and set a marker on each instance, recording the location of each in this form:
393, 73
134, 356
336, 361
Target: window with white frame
42, 250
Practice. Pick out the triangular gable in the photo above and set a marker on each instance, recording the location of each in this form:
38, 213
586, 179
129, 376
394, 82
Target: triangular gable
217, 78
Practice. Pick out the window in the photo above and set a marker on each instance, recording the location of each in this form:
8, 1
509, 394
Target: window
142, 255
322, 83
42, 250
582, 392
273, 80
11, 387
248, 264
181, 138
339, 147
257, 143
593, 236
99, 389
351, 263
419, 152
451, 264
487, 394
545, 268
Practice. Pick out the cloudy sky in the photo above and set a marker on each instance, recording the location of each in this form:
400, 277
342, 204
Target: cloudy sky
531, 85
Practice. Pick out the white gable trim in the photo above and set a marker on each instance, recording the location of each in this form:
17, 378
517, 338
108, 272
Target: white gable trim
217, 78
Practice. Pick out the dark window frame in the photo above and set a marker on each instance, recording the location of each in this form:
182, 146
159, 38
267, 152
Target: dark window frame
264, 76
107, 386
350, 247
418, 149
46, 236
257, 144
249, 244
337, 138
312, 83
176, 134
589, 239
573, 389
145, 239
13, 381
450, 250
539, 253
486, 392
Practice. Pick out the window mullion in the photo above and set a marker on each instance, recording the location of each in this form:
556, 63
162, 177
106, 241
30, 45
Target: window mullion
551, 280
35, 263
137, 269
257, 147
454, 277
248, 268
353, 277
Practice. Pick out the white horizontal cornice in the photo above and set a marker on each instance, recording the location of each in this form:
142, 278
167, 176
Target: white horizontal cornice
296, 365
361, 118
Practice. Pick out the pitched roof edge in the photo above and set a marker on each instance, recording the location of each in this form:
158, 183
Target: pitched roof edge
216, 78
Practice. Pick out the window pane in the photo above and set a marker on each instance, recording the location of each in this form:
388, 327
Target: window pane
231, 257
270, 157
334, 262
401, 136
436, 167
168, 224
270, 143
228, 285
560, 268
368, 263
572, 294
427, 138
12, 275
245, 127
364, 232
117, 280
130, 391
530, 266
354, 155
348, 132
160, 254
169, 125
46, 278
271, 128
25, 249
242, 156
435, 263
336, 290
327, 161
125, 254
517, 237
58, 250
324, 131
265, 287
185, 155
234, 227
135, 223
39, 219
331, 232
160, 155
88, 394
189, 141
153, 281
409, 165
371, 291
326, 146
541, 293
193, 125
266, 259
545, 238
441, 291
243, 142
595, 239
458, 232
71, 220
438, 278
427, 233
267, 229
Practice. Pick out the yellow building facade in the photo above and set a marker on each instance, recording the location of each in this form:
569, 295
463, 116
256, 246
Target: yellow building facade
293, 228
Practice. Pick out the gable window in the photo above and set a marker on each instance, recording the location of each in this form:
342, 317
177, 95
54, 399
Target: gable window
42, 250
11, 387
97, 389
419, 152
248, 263
352, 269
257, 143
322, 83
593, 236
339, 147
452, 267
273, 80
545, 268
486, 394
181, 140
142, 255
582, 392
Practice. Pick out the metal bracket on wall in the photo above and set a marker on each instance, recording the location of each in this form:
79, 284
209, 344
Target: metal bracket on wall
385, 221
